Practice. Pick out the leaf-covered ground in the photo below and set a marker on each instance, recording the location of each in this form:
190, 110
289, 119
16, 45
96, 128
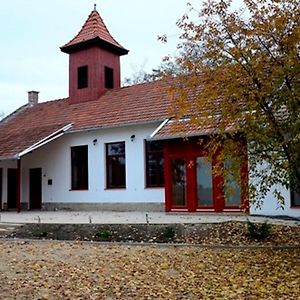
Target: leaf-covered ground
228, 233
59, 270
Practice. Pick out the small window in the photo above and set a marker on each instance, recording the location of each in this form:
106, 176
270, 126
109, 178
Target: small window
109, 77
115, 165
295, 199
82, 77
154, 164
79, 165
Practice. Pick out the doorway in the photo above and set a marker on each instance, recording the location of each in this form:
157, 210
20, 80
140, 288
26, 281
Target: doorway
191, 184
12, 182
35, 188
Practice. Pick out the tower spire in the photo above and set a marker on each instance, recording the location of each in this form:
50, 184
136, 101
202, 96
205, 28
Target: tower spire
95, 7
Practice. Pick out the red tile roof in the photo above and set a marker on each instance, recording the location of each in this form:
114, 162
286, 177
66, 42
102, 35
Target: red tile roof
181, 129
138, 104
94, 30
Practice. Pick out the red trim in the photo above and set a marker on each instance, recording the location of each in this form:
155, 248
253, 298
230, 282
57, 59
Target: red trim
19, 186
189, 151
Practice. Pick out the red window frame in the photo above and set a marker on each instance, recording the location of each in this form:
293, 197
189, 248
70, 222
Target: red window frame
79, 168
189, 150
118, 170
157, 156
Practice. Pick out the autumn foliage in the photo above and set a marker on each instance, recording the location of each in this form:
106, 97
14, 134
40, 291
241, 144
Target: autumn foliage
247, 62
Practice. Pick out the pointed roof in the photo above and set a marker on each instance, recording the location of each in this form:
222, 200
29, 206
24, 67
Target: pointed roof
94, 32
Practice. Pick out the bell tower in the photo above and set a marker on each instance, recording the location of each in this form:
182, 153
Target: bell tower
94, 61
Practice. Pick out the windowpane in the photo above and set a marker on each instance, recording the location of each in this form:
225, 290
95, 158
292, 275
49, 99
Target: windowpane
204, 182
116, 165
79, 162
154, 164
179, 182
116, 149
232, 188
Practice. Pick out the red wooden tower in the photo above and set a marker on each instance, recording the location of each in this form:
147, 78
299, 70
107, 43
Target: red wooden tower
94, 61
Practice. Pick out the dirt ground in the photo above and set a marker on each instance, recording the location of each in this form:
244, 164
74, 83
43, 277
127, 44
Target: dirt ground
227, 233
76, 270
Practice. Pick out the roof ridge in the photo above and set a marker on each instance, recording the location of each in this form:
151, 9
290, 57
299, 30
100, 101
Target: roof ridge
14, 113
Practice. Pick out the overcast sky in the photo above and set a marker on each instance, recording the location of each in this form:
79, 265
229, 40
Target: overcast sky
33, 30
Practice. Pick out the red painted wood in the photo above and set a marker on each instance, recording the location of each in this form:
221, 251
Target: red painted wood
167, 172
96, 59
189, 151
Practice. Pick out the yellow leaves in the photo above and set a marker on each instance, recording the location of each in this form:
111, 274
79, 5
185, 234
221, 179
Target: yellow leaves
147, 272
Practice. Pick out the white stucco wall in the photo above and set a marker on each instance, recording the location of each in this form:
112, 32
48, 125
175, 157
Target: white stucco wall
55, 161
271, 207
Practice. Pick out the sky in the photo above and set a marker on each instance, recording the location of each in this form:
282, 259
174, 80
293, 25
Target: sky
32, 31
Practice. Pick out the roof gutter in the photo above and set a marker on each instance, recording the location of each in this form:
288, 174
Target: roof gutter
53, 136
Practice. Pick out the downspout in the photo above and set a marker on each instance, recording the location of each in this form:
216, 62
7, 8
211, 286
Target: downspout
19, 182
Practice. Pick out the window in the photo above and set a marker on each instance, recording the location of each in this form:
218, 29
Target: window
109, 77
295, 199
82, 77
154, 164
79, 162
115, 165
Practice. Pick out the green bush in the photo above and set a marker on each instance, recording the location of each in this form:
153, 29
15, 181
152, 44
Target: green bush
41, 234
169, 232
258, 230
105, 234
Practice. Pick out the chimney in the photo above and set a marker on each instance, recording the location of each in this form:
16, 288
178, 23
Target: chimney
33, 98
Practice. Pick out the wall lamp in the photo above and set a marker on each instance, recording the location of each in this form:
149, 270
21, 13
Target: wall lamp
95, 141
132, 137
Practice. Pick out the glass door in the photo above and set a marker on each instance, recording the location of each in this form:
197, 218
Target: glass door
178, 188
204, 183
232, 190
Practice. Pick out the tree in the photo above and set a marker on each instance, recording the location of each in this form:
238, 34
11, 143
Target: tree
247, 65
168, 67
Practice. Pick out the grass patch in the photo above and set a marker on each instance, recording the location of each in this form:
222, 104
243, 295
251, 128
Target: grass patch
104, 234
258, 231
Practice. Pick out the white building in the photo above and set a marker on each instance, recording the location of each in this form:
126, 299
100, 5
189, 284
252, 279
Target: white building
107, 147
